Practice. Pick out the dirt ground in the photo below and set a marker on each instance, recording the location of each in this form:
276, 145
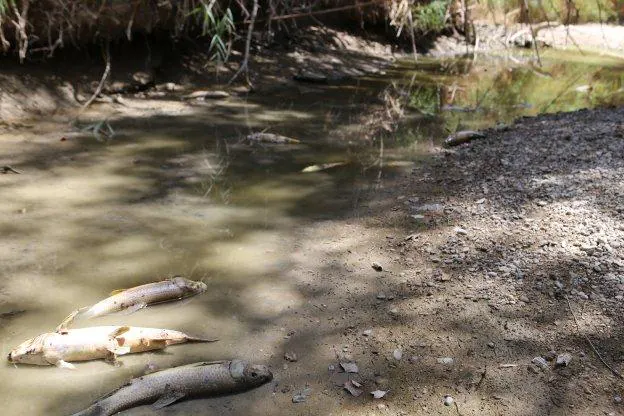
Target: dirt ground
456, 288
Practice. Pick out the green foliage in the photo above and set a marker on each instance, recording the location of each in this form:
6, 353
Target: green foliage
431, 17
219, 26
4, 6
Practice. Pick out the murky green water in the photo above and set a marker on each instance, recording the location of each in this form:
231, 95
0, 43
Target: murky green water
175, 192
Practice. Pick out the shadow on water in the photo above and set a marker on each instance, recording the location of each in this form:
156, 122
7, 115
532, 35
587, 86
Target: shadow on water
180, 194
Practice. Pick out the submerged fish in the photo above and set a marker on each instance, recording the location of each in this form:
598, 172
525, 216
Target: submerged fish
99, 342
169, 386
139, 297
270, 138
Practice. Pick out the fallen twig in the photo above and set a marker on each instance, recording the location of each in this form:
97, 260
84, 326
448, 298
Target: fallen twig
7, 169
98, 90
244, 65
591, 344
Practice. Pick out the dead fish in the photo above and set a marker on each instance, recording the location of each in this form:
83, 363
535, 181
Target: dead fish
202, 95
174, 384
94, 343
321, 167
270, 138
460, 137
139, 297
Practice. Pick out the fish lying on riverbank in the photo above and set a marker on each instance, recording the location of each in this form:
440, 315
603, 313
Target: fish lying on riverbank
460, 137
94, 343
270, 138
139, 297
169, 386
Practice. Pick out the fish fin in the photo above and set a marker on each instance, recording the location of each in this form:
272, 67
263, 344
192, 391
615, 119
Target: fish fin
197, 339
118, 331
170, 396
118, 350
64, 326
116, 292
65, 365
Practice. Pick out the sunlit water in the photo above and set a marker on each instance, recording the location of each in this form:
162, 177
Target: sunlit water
178, 194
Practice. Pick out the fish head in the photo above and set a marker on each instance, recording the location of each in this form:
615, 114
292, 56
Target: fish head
190, 286
250, 375
28, 352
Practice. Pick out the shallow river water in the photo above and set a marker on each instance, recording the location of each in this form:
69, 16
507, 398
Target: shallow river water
176, 192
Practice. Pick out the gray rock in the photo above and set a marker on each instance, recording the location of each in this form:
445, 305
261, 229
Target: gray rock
563, 360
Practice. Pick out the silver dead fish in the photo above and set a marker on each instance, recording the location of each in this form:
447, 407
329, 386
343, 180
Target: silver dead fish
139, 297
99, 342
270, 138
169, 386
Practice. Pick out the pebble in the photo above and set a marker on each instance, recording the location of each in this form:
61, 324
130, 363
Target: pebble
397, 354
445, 360
367, 332
617, 399
290, 356
563, 360
376, 266
460, 231
540, 362
448, 400
381, 296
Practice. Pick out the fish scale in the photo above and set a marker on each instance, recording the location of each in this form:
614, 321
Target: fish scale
168, 386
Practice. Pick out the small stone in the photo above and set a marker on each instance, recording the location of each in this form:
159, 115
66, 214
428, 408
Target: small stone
480, 201
460, 231
393, 311
290, 356
448, 400
377, 266
617, 399
445, 360
397, 354
490, 344
563, 360
524, 298
349, 367
540, 362
381, 296
367, 332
